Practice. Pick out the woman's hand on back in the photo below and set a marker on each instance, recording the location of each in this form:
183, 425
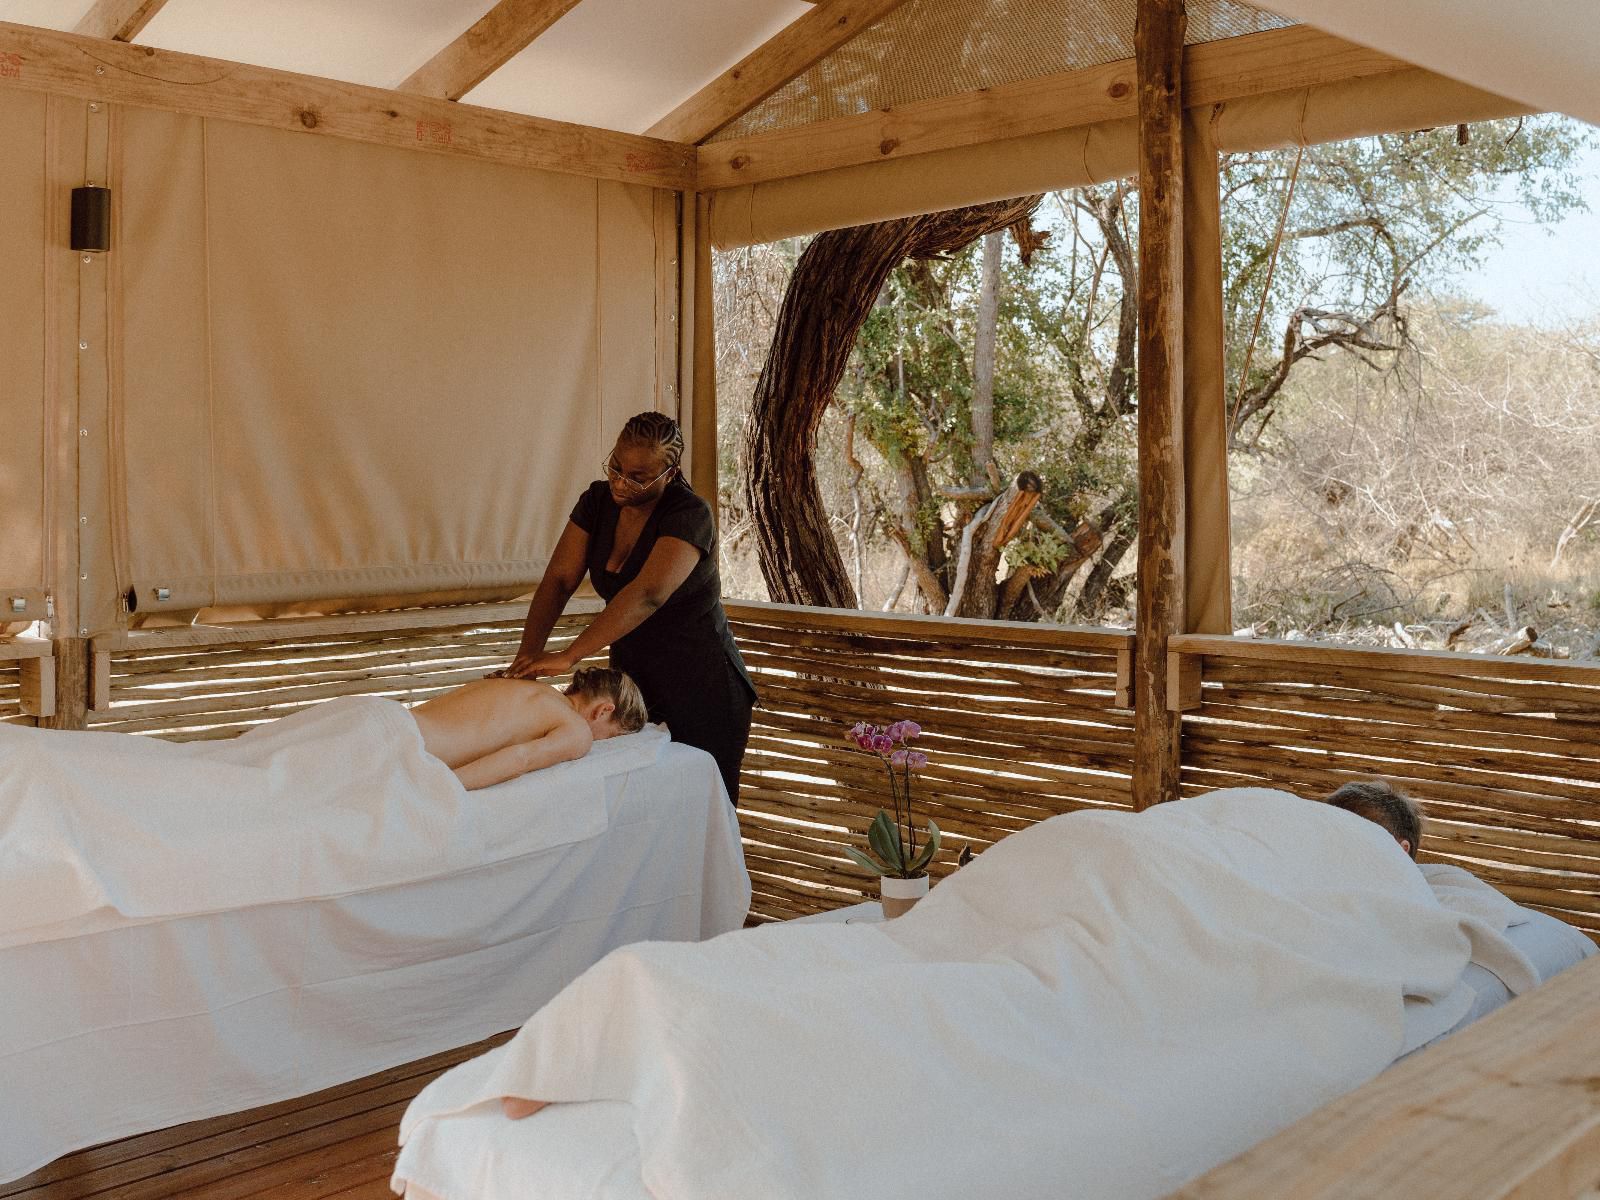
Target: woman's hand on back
535, 666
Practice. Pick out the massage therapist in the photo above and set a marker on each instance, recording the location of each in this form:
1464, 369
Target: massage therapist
649, 545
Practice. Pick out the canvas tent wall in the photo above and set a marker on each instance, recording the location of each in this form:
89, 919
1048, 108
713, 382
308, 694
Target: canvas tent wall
309, 369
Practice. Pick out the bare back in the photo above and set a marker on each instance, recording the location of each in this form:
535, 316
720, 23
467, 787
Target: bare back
487, 715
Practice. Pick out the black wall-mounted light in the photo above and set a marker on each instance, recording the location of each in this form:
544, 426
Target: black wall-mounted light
91, 218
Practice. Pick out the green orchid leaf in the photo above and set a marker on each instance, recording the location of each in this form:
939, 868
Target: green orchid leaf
863, 860
884, 839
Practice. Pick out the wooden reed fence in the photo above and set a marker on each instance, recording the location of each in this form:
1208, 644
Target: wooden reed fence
1020, 722
1504, 753
196, 682
27, 680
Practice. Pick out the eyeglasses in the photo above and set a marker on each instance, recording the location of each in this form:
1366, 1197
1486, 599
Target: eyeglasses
632, 485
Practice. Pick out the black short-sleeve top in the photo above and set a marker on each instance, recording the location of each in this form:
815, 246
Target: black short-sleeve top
689, 632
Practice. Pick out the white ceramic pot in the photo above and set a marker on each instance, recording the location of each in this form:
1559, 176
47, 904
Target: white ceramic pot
898, 895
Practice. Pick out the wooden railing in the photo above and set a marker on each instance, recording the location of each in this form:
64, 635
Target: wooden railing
1020, 723
27, 681
195, 682
1504, 753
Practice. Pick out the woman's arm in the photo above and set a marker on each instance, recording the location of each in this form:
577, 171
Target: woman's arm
670, 562
562, 576
566, 741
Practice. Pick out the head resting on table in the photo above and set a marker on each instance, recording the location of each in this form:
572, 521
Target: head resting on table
609, 700
1384, 804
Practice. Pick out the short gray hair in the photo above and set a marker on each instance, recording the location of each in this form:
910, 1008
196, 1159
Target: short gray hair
1380, 802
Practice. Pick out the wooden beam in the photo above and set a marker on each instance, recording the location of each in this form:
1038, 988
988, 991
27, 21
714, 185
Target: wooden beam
1158, 51
67, 64
99, 680
1505, 1109
497, 37
119, 19
799, 47
71, 670
1214, 72
1183, 682
38, 678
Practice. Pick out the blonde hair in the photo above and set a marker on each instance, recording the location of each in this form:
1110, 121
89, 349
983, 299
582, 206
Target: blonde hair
628, 708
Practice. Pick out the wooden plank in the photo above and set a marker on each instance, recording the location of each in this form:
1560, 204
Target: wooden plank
38, 693
1158, 50
1214, 72
1123, 696
97, 69
495, 38
99, 680
912, 625
795, 50
1507, 1108
16, 649
265, 632
119, 19
154, 1162
1183, 682
1380, 659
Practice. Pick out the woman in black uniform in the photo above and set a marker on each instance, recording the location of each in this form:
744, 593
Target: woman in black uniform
649, 545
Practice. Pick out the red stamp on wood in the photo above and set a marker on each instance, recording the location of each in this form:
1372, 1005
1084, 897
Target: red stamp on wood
434, 133
10, 65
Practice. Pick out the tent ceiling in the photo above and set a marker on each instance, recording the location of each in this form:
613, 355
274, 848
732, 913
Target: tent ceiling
931, 48
618, 64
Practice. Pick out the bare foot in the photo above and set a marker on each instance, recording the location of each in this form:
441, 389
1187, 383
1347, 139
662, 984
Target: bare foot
517, 1108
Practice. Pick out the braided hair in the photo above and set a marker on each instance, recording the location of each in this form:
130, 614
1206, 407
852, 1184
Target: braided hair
656, 431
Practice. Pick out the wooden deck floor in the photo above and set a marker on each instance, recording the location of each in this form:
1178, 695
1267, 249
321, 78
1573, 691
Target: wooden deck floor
336, 1143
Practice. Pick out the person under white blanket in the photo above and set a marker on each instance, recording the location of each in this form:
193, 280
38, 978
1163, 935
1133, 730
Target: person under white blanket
340, 797
495, 728
1104, 1004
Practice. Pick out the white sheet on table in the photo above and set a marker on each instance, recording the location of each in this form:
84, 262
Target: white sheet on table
337, 799
1018, 1028
126, 1027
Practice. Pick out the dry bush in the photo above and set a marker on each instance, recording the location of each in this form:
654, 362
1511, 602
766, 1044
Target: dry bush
1431, 493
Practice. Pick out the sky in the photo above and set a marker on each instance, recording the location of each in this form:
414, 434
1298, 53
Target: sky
1545, 274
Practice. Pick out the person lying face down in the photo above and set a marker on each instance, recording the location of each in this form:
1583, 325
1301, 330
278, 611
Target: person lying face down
495, 729
1383, 804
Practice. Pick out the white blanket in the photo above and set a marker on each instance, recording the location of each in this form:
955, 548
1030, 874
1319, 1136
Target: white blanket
337, 799
1104, 1005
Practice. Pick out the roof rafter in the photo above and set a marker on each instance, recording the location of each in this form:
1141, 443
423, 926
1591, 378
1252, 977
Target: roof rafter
1255, 64
495, 39
121, 20
43, 60
795, 50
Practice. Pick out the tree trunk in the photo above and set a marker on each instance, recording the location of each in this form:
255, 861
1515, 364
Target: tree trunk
983, 361
828, 298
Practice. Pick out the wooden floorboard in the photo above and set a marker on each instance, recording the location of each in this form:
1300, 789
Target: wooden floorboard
337, 1143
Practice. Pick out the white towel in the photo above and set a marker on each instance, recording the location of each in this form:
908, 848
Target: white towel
338, 798
1020, 1031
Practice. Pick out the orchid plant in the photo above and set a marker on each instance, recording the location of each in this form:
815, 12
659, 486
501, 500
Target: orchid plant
893, 840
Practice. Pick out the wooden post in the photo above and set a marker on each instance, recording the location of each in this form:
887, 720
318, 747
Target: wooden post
1158, 60
72, 685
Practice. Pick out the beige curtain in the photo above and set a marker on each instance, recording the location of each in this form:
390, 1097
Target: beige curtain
26, 245
348, 370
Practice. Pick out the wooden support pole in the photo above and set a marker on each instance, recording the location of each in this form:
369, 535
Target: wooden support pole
1158, 58
71, 656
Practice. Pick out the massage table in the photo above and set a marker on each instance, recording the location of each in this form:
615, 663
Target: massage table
115, 1025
